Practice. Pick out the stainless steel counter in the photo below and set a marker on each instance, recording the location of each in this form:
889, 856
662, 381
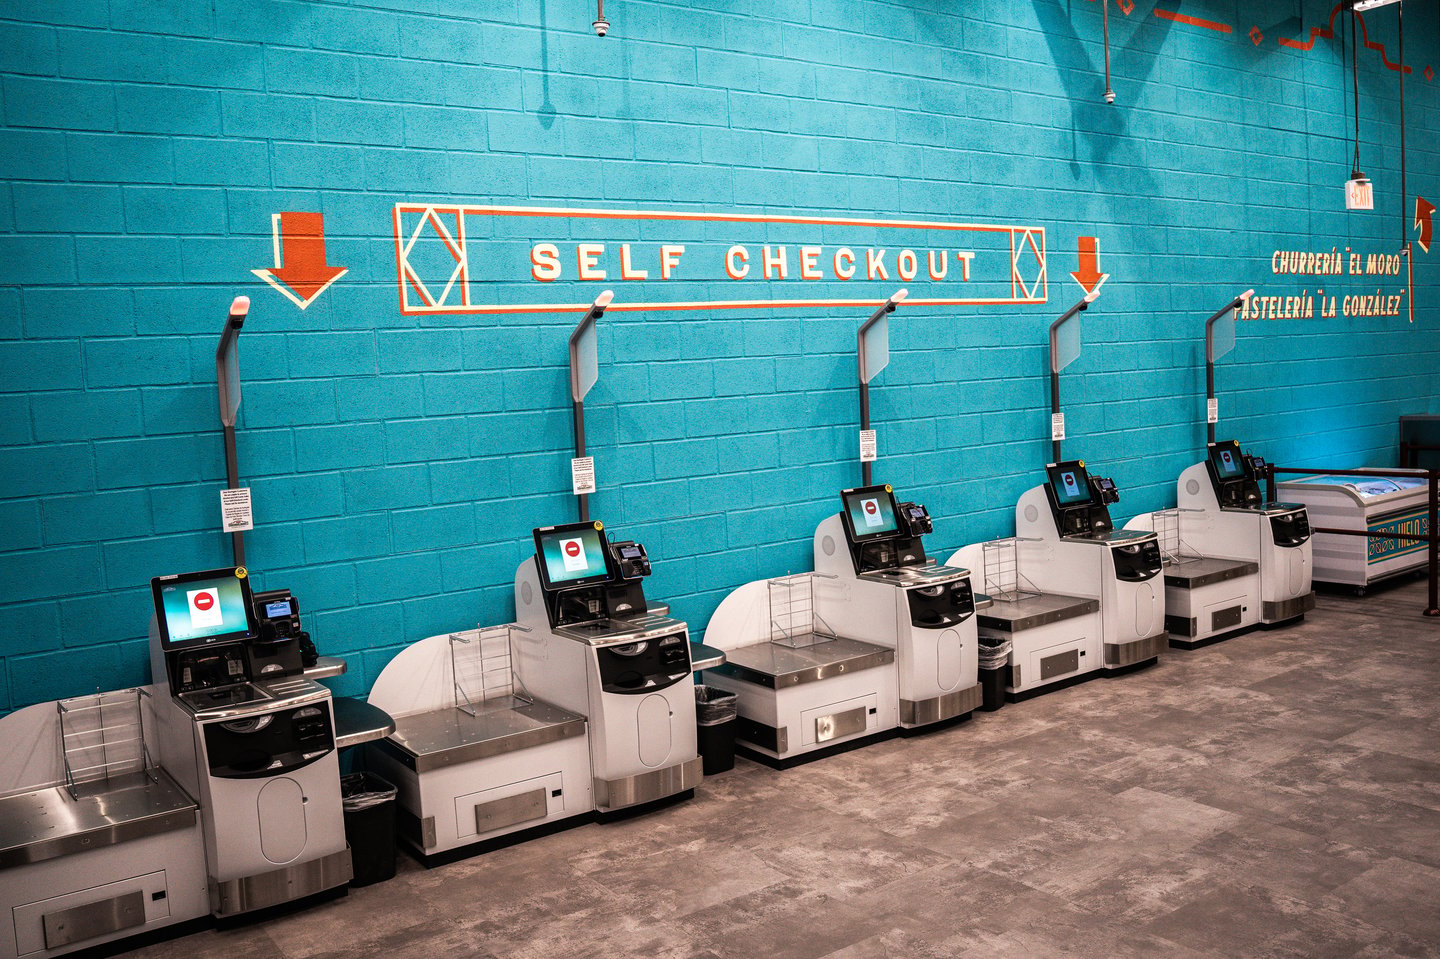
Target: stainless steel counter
1038, 609
447, 737
705, 657
776, 666
325, 667
928, 575
47, 824
356, 722
1193, 572
610, 632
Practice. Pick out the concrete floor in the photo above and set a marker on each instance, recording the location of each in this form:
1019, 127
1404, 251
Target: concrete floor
1277, 794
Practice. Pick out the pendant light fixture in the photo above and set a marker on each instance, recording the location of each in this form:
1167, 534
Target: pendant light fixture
1109, 93
1359, 193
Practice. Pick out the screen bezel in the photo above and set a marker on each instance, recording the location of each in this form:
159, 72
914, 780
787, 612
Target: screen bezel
862, 491
543, 533
159, 583
1053, 484
1234, 448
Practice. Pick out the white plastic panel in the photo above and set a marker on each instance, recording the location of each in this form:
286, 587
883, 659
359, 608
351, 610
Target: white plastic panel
1144, 608
281, 807
949, 650
653, 730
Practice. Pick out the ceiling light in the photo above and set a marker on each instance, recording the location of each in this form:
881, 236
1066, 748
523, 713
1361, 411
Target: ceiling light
1362, 5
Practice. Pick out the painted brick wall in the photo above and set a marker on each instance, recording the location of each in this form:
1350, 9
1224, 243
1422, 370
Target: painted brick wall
399, 462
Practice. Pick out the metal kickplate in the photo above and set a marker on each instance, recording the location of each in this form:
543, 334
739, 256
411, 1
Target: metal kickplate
510, 811
836, 725
94, 919
1059, 664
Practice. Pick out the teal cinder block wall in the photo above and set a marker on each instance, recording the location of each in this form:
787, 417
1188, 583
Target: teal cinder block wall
398, 461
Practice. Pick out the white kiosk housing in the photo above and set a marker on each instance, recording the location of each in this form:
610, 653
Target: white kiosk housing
477, 761
595, 648
1080, 553
892, 594
97, 841
1055, 638
804, 689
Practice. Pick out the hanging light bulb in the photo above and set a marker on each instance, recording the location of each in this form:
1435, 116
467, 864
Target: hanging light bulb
1359, 192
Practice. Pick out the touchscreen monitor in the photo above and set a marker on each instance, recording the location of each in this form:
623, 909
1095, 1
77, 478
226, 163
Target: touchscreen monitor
197, 609
576, 554
1069, 483
869, 513
1227, 460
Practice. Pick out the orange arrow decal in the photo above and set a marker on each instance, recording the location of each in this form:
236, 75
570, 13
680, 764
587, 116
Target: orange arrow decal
1424, 209
300, 270
1089, 276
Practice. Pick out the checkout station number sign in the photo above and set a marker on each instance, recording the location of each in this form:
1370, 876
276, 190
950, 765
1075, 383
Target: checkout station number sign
457, 259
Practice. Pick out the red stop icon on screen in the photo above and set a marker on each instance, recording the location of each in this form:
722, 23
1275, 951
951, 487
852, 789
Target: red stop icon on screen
204, 601
572, 548
870, 506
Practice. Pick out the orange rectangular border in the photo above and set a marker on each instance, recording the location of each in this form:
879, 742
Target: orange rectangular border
464, 309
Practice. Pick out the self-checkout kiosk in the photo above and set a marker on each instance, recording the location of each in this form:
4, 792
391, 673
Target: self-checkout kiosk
257, 749
891, 593
1087, 556
594, 647
1209, 595
1235, 560
877, 638
1074, 595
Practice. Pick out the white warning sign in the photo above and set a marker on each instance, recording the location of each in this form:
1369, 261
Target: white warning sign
867, 446
582, 475
235, 513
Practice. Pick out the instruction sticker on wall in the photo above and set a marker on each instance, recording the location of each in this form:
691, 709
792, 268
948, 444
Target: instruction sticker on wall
582, 475
1057, 426
1212, 410
235, 513
867, 446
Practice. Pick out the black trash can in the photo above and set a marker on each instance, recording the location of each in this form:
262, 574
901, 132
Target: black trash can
716, 713
369, 804
994, 672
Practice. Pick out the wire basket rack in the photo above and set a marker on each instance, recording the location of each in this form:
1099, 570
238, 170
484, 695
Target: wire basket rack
1003, 579
102, 737
482, 662
1173, 549
794, 620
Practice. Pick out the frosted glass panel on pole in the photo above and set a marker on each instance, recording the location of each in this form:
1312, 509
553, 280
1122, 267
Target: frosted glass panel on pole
584, 359
1222, 336
874, 348
1067, 343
